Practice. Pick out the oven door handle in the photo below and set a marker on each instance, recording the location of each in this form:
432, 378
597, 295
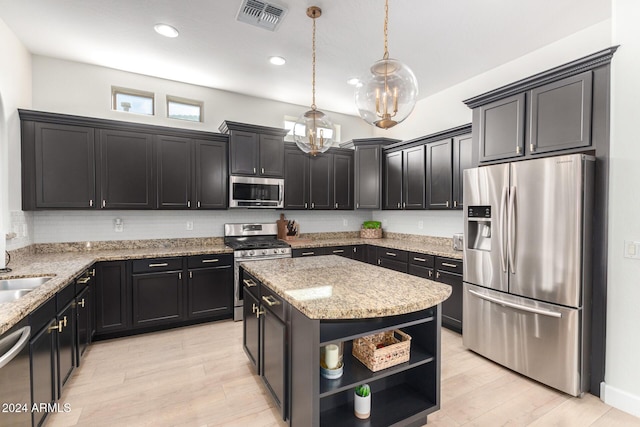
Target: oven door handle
25, 334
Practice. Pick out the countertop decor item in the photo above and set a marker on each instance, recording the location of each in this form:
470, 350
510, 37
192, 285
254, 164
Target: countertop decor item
313, 131
382, 350
331, 365
287, 229
387, 95
362, 401
371, 230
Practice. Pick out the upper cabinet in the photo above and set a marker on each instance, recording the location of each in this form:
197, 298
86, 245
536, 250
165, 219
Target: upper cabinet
439, 174
71, 162
404, 185
462, 159
255, 150
561, 110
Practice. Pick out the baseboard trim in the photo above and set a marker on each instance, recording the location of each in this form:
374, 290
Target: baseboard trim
620, 399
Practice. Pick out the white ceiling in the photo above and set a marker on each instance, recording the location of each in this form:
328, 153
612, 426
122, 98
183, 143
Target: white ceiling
443, 41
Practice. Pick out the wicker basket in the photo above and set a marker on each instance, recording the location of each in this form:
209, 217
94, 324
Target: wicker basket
397, 349
371, 233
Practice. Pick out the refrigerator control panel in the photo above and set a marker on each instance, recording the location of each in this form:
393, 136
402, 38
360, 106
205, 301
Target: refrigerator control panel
479, 212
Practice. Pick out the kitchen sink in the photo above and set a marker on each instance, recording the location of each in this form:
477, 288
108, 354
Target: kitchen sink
10, 296
24, 283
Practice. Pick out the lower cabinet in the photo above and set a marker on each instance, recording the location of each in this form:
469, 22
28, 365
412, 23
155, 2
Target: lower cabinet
251, 322
209, 293
360, 252
393, 259
85, 328
65, 345
274, 349
112, 297
449, 271
157, 298
42, 355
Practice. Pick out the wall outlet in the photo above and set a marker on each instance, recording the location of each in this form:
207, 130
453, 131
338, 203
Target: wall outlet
189, 225
345, 222
118, 225
631, 249
420, 224
25, 230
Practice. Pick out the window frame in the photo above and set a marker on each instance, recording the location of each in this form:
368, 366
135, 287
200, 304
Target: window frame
115, 90
188, 102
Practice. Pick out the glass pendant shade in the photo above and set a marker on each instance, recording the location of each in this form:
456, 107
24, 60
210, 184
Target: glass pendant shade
388, 94
313, 132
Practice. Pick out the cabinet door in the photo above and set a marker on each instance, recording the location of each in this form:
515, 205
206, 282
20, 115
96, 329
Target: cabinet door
274, 356
452, 306
127, 170
345, 251
414, 178
243, 153
42, 356
321, 181
211, 175
439, 174
462, 160
368, 177
271, 156
560, 115
84, 312
251, 329
360, 253
112, 300
174, 172
296, 179
210, 292
65, 170
66, 345
343, 181
157, 298
501, 128
392, 191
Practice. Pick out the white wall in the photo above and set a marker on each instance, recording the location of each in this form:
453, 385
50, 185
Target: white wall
15, 92
622, 377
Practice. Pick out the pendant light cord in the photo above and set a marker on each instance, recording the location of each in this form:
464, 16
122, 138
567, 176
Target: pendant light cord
313, 61
386, 33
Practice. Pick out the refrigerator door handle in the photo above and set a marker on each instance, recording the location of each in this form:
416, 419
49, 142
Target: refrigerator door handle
503, 208
516, 306
511, 233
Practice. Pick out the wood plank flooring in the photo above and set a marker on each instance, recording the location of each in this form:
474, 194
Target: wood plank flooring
199, 376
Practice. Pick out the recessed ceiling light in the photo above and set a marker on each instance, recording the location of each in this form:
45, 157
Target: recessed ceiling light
277, 60
353, 81
166, 30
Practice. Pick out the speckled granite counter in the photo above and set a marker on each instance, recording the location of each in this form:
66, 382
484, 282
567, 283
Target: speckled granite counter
423, 244
66, 266
332, 287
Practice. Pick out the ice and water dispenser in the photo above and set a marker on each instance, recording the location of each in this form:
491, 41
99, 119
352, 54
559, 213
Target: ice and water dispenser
478, 231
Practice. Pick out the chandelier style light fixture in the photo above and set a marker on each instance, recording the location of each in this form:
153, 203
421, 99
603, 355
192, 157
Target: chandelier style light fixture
313, 131
387, 95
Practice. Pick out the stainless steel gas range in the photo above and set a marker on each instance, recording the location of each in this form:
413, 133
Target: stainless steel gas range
252, 242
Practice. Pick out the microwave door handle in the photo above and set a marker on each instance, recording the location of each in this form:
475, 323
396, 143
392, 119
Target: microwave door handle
503, 230
512, 229
281, 193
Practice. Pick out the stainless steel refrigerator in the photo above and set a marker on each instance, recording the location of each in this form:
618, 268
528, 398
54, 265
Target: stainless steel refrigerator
527, 267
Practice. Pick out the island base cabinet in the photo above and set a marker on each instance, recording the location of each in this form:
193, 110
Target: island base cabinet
274, 356
251, 330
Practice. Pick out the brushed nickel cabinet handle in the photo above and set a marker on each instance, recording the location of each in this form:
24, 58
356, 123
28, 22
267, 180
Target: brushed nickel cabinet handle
250, 283
262, 170
338, 251
205, 261
437, 275
188, 203
191, 275
447, 264
398, 205
254, 170
84, 280
404, 205
307, 253
447, 203
259, 312
391, 254
161, 264
198, 203
455, 203
518, 150
64, 321
430, 273
104, 203
313, 205
91, 203
305, 205
532, 147
419, 259
336, 205
254, 307
270, 300
357, 205
378, 261
179, 276
81, 303
92, 272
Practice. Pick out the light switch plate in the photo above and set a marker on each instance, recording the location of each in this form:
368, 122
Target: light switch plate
631, 249
189, 225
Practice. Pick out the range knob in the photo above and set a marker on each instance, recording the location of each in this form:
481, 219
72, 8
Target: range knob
252, 253
243, 253
264, 252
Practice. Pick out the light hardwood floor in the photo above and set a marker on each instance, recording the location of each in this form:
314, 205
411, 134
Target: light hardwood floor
199, 376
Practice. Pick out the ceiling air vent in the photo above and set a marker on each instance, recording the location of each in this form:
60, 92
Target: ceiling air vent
261, 14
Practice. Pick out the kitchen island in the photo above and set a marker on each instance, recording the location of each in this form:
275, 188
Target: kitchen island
295, 307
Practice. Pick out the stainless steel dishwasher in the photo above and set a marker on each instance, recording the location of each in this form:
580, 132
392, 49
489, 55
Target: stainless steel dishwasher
15, 382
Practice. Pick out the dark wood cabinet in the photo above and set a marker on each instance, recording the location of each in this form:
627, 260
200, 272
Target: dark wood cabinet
321, 181
360, 253
501, 128
449, 271
127, 170
174, 172
42, 356
439, 172
211, 175
302, 252
393, 259
255, 150
84, 322
112, 298
65, 169
343, 181
157, 298
274, 356
65, 345
210, 288
368, 176
462, 160
560, 114
413, 178
251, 327
392, 188
296, 179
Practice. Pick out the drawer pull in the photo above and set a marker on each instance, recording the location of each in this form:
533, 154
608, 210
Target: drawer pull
338, 251
84, 280
437, 275
307, 253
270, 300
204, 261
160, 264
57, 327
254, 308
81, 303
446, 264
419, 259
430, 273
250, 283
391, 254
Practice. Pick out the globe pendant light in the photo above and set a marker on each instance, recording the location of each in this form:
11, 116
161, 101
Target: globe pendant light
387, 95
313, 131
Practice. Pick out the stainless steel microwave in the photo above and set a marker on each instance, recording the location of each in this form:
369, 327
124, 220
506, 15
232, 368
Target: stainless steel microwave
254, 192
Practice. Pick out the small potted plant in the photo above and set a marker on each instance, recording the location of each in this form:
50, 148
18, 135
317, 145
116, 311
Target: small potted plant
362, 401
371, 230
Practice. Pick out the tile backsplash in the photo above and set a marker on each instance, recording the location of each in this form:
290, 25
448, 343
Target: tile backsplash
21, 228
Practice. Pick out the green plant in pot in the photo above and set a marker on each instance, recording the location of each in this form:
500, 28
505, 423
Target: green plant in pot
371, 230
362, 401
371, 225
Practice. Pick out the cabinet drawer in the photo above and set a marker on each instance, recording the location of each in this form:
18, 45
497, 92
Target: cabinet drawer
449, 278
393, 254
346, 251
392, 264
295, 253
448, 264
272, 301
249, 284
210, 260
41, 316
65, 295
156, 264
424, 272
422, 260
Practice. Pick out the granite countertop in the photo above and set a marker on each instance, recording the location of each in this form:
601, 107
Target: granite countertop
431, 246
333, 287
66, 266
